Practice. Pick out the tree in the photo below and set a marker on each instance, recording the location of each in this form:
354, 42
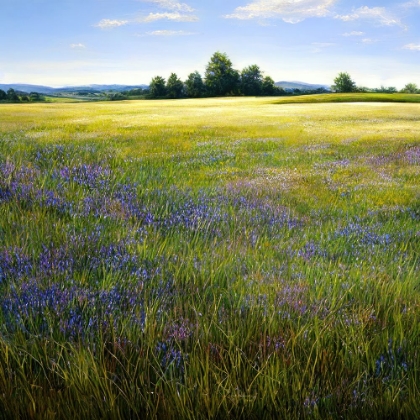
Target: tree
35, 97
194, 85
157, 87
251, 81
135, 92
117, 96
384, 89
267, 86
174, 87
410, 88
361, 89
221, 78
12, 95
343, 83
3, 95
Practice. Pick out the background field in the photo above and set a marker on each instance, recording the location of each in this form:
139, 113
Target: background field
209, 258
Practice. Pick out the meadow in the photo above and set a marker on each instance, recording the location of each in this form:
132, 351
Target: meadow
241, 258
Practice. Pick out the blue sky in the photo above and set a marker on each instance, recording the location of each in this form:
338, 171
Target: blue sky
71, 42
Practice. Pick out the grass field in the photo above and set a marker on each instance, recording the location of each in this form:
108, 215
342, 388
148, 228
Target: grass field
213, 258
352, 97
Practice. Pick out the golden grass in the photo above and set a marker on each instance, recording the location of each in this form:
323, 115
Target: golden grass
153, 126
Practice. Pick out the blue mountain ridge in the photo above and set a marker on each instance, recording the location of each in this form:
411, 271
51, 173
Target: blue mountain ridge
47, 90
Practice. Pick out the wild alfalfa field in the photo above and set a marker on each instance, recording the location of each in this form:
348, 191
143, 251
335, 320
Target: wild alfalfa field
214, 258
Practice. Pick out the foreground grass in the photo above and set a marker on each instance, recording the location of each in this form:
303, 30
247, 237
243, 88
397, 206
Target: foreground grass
218, 258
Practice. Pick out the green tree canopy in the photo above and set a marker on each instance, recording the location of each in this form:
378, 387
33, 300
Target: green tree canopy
410, 88
12, 95
384, 89
174, 87
35, 96
3, 95
157, 87
194, 85
343, 83
221, 77
267, 86
251, 80
135, 92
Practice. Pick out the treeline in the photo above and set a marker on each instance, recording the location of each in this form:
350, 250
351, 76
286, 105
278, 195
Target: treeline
343, 83
12, 96
128, 94
408, 88
220, 79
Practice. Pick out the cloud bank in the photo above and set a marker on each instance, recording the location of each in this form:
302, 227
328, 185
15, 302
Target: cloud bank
176, 12
172, 5
376, 14
412, 47
291, 11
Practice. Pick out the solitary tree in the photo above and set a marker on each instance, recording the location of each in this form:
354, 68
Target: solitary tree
221, 77
157, 87
410, 88
343, 83
194, 85
174, 86
251, 80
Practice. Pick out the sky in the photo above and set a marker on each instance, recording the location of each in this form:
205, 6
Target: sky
79, 42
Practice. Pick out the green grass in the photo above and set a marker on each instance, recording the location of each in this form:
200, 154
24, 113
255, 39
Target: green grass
214, 258
351, 97
64, 99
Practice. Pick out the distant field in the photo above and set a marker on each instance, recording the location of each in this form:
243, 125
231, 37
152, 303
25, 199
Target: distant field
57, 99
212, 258
351, 97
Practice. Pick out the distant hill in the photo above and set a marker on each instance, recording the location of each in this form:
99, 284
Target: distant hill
100, 88
301, 86
28, 88
46, 90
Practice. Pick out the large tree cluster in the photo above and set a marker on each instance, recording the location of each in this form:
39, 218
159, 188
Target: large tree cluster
220, 79
12, 96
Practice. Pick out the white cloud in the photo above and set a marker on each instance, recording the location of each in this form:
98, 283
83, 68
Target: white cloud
152, 17
164, 32
410, 4
291, 11
175, 16
412, 47
77, 46
109, 23
354, 33
378, 14
368, 41
172, 5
